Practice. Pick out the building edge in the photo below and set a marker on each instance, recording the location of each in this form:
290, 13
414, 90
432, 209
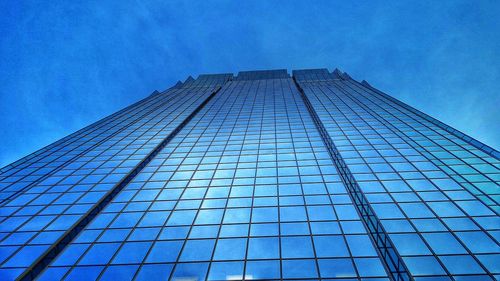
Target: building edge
459, 134
37, 267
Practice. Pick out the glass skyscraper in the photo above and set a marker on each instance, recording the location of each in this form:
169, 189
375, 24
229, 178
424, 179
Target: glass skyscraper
258, 176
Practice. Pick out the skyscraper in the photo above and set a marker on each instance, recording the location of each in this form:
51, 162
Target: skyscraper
259, 176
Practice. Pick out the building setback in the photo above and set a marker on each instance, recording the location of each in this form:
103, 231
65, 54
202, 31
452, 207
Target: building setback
259, 176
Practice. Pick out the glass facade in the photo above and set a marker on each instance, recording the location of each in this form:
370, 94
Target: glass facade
260, 176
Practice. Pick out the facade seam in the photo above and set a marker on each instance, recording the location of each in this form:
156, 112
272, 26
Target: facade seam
42, 262
410, 142
388, 253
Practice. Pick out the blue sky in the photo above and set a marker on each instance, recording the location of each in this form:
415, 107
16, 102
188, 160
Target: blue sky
64, 65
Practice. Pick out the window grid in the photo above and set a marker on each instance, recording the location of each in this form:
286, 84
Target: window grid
43, 212
33, 158
350, 127
265, 166
472, 168
242, 184
16, 182
39, 154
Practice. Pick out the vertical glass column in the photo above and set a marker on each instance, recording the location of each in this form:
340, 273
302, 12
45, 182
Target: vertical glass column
438, 227
33, 221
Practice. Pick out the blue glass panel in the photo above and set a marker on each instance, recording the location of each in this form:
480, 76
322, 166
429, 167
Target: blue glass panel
132, 252
240, 215
263, 248
197, 250
409, 244
297, 213
336, 268
330, 246
25, 256
424, 266
296, 247
164, 251
268, 269
265, 215
490, 262
235, 230
264, 229
71, 254
99, 254
294, 228
230, 249
478, 242
190, 271
360, 245
444, 243
461, 265
120, 272
226, 271
369, 267
150, 272
321, 213
299, 269
52, 273
84, 273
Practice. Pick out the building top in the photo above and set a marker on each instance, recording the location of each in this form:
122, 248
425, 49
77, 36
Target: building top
207, 80
262, 74
312, 74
